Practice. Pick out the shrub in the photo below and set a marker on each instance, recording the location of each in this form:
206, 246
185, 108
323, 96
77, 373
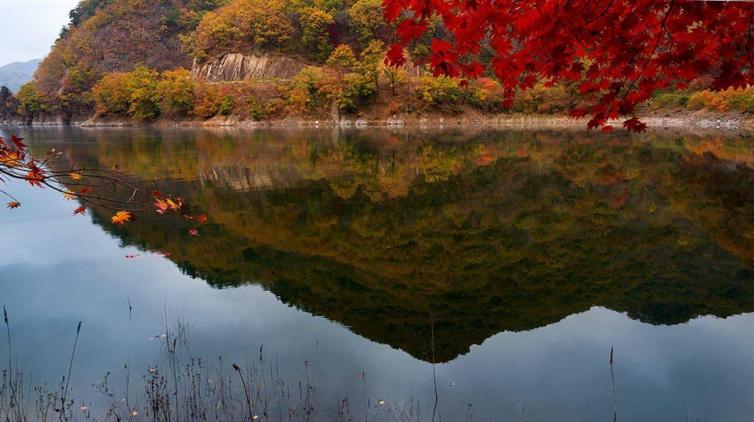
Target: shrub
442, 93
485, 94
705, 100
730, 99
274, 107
739, 99
543, 99
227, 105
670, 100
206, 101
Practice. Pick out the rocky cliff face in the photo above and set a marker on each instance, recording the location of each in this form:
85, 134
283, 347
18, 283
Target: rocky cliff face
238, 67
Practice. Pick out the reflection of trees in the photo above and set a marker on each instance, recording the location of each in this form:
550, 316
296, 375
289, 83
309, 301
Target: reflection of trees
489, 233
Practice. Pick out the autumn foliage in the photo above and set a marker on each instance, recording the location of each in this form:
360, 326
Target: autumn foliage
598, 59
619, 52
101, 188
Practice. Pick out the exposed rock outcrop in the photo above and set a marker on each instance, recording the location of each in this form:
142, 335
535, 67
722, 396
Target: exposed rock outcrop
239, 67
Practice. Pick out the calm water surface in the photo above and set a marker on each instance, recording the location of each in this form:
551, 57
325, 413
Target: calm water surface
507, 262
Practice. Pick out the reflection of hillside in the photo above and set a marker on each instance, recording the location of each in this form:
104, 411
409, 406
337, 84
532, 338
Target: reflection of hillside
498, 232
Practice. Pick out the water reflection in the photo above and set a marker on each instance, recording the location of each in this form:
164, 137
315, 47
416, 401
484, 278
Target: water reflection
515, 249
393, 234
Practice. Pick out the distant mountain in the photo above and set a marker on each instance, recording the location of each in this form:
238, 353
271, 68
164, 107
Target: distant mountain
16, 74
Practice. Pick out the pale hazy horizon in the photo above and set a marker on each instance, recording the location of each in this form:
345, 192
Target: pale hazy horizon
31, 27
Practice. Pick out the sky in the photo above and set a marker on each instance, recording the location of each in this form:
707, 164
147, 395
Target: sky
29, 27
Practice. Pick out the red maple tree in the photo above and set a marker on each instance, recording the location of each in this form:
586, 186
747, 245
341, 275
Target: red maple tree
618, 51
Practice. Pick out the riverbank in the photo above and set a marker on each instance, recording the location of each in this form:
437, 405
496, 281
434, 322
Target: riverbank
683, 120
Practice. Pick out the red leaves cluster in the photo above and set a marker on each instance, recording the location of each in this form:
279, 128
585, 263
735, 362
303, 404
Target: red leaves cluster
618, 52
164, 205
35, 176
13, 152
17, 163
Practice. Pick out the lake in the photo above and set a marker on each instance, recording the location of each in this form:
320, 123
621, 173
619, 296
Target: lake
393, 275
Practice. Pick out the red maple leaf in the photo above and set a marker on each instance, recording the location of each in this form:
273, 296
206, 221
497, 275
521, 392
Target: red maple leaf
18, 142
35, 176
635, 125
79, 210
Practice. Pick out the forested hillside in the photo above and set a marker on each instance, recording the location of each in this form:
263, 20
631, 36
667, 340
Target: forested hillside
131, 60
111, 36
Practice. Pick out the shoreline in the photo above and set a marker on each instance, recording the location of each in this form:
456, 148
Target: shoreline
690, 121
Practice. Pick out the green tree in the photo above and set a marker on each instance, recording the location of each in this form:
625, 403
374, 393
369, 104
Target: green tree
371, 59
133, 93
111, 95
241, 26
304, 94
31, 101
395, 76
176, 92
315, 37
142, 83
367, 19
342, 58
